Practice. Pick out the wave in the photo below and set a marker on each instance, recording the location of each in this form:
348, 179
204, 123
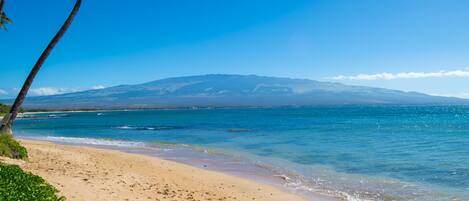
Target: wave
57, 115
156, 128
324, 180
91, 141
41, 116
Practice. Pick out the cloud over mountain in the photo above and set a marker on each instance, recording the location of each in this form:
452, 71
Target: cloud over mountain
403, 75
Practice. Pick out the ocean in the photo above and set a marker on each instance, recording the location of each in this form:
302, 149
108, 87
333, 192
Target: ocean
387, 152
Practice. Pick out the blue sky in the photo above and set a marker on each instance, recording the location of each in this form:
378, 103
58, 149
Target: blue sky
411, 45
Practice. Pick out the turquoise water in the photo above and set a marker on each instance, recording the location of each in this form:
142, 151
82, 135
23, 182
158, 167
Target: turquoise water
353, 152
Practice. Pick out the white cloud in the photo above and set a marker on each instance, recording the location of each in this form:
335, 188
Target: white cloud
3, 92
464, 95
46, 91
404, 75
98, 87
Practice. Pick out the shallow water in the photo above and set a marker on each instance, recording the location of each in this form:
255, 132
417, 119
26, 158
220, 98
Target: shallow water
354, 152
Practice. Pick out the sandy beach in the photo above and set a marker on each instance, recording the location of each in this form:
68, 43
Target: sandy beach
83, 173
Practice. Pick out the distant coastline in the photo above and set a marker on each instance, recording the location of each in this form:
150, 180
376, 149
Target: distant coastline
235, 91
65, 110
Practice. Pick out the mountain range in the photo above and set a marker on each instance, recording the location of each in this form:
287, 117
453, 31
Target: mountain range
219, 90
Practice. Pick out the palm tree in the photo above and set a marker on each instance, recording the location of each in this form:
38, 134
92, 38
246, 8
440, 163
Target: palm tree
11, 116
3, 17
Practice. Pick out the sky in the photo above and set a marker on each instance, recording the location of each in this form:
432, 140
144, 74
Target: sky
410, 45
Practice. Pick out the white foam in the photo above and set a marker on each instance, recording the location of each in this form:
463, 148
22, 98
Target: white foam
125, 127
94, 141
355, 198
57, 115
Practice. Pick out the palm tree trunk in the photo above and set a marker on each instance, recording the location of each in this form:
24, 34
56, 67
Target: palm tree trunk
2, 2
1, 6
10, 117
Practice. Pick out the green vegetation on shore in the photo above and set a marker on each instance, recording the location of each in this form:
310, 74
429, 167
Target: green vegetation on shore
15, 184
4, 109
11, 148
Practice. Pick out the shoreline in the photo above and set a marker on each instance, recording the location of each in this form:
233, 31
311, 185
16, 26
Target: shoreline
88, 173
228, 162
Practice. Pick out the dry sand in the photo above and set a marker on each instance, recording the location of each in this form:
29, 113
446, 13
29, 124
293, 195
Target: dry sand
83, 173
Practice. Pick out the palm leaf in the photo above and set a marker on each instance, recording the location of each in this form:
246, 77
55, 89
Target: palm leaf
4, 17
4, 20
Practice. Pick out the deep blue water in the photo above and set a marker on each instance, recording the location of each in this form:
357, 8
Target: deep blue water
357, 152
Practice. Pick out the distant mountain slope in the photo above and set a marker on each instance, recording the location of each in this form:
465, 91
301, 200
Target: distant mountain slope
232, 90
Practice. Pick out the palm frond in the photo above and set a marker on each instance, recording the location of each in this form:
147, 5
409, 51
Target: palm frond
4, 17
4, 20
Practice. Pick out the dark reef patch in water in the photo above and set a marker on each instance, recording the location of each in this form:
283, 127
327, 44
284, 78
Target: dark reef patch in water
239, 130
